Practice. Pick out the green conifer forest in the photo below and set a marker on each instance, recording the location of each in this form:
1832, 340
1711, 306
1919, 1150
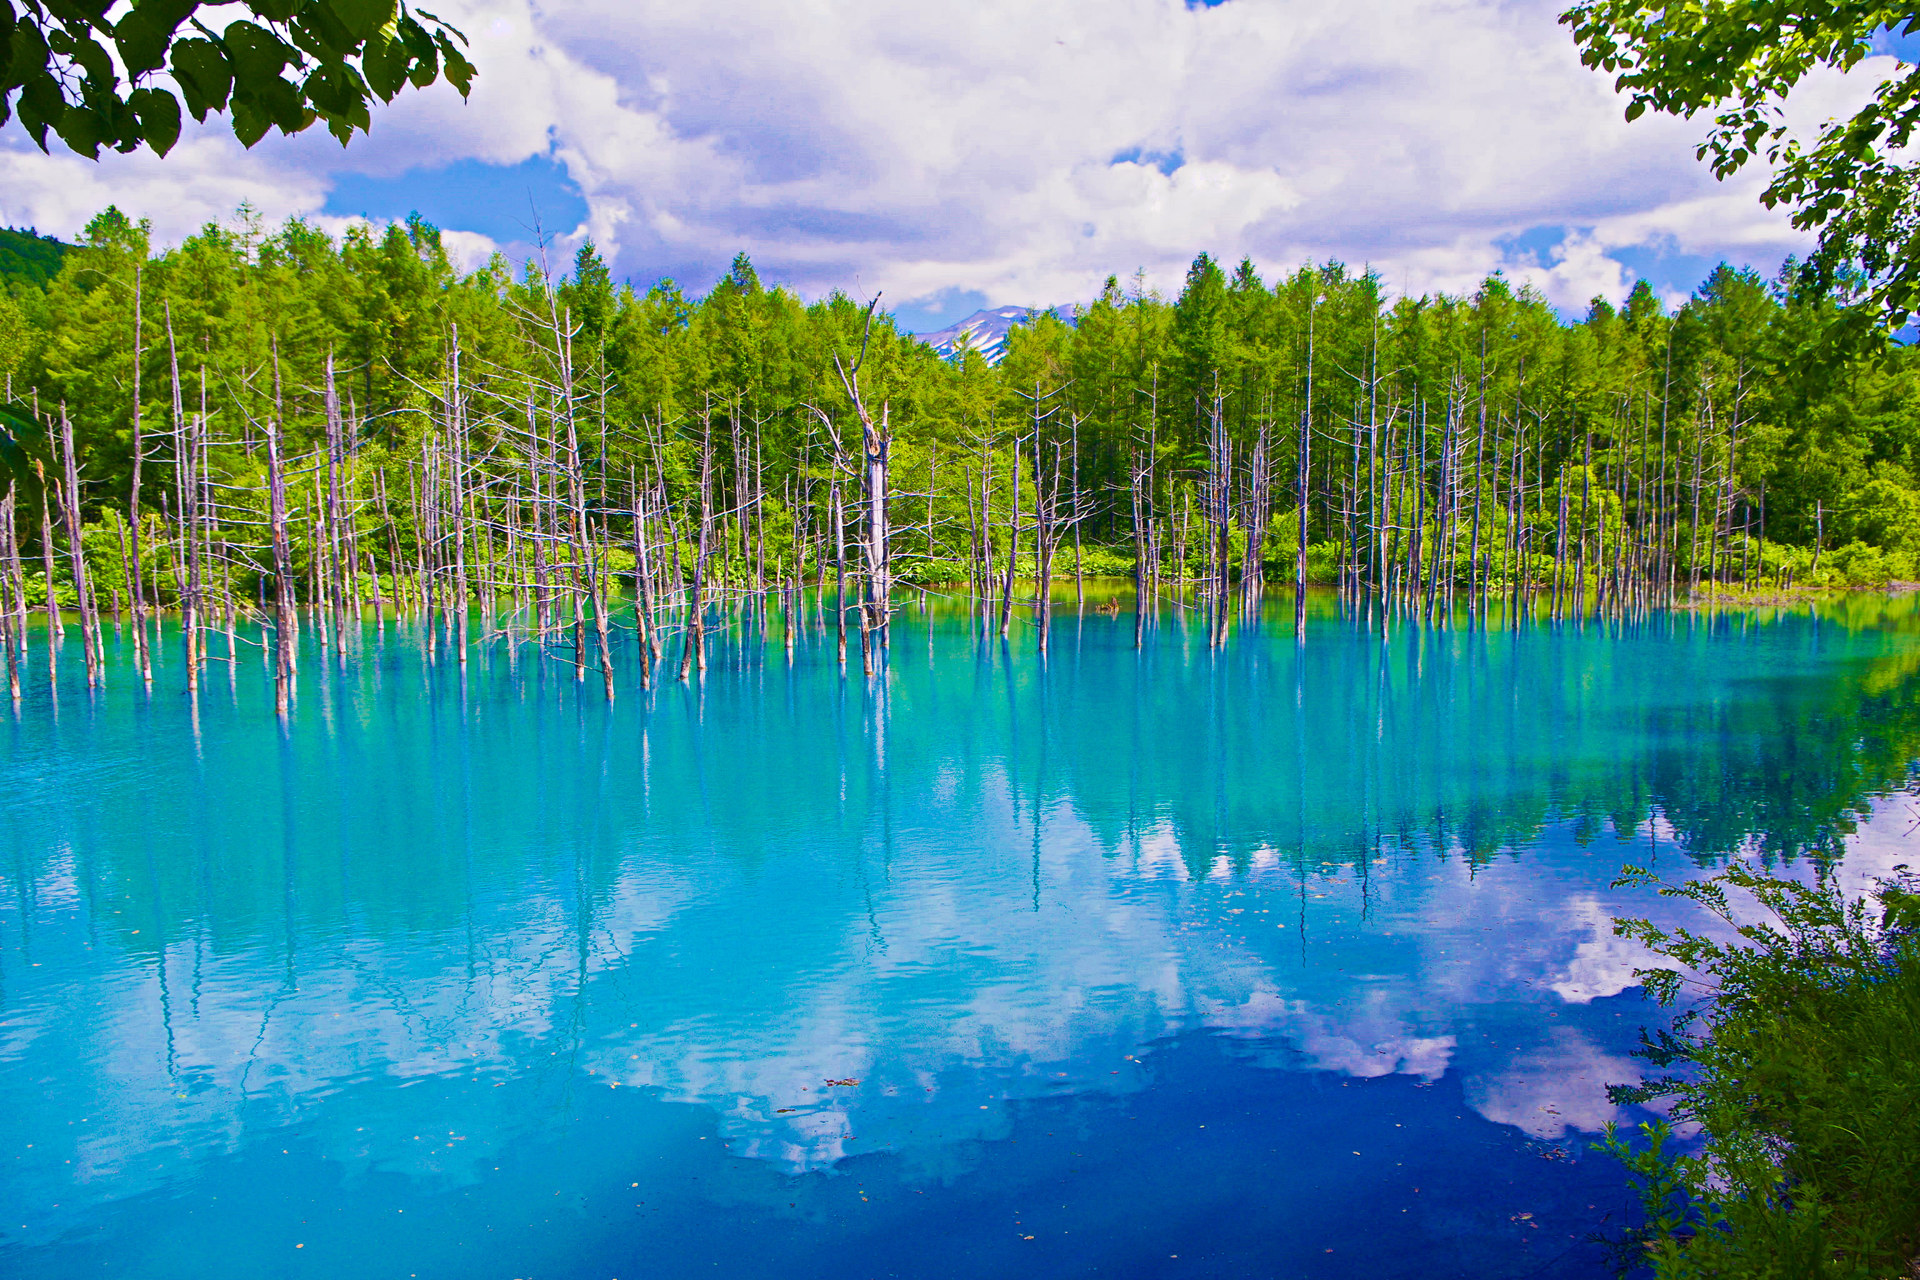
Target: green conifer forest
266, 418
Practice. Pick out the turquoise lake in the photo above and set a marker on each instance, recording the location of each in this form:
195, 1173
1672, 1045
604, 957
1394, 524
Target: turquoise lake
1277, 960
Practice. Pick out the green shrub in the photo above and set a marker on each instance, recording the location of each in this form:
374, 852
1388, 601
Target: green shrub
921, 572
63, 593
1803, 1073
1860, 564
1106, 562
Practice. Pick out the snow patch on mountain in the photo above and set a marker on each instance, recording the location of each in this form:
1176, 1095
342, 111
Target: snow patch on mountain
986, 331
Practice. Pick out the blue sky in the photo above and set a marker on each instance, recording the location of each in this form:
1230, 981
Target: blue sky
1003, 153
1899, 44
503, 202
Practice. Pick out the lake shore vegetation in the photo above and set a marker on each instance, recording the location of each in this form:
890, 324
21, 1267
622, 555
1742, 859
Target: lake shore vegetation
1796, 1060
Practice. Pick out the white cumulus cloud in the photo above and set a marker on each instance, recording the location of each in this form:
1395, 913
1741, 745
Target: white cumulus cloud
1018, 150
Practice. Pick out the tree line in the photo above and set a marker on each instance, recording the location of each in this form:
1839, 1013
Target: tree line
274, 425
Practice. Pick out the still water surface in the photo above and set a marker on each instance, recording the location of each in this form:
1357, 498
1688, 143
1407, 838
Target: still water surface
1275, 961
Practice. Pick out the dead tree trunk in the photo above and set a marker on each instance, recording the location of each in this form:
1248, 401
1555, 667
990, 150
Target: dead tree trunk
1300, 485
283, 602
141, 657
77, 554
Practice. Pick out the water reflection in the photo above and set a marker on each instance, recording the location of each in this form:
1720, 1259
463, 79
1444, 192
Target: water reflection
452, 925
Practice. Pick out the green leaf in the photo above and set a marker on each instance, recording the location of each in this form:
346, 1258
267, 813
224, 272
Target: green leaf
318, 30
426, 69
205, 77
250, 123
82, 129
29, 55
92, 57
459, 71
40, 106
439, 21
336, 91
424, 66
385, 66
144, 33
284, 104
256, 53
418, 40
159, 115
362, 18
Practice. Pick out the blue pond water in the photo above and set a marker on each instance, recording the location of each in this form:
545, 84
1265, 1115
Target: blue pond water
1275, 961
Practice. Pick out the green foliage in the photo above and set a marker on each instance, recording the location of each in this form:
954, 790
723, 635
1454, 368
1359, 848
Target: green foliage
17, 337
35, 583
28, 262
1884, 512
296, 62
1801, 1066
1860, 564
1739, 61
1108, 562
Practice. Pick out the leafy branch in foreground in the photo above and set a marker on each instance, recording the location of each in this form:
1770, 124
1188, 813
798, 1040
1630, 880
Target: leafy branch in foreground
1803, 1075
293, 62
1739, 59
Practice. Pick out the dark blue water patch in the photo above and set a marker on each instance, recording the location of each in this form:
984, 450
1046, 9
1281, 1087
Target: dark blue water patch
1218, 1158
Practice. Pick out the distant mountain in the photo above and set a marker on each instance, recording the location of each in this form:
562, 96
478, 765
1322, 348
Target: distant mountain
986, 331
26, 255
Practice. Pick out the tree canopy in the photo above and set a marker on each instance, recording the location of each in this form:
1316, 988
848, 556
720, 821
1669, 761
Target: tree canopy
28, 256
1739, 59
1718, 401
69, 68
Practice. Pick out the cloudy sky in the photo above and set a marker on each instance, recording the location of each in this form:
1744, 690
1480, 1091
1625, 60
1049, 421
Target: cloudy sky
995, 153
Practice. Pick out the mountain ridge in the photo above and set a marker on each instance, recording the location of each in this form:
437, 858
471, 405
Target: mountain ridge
986, 330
